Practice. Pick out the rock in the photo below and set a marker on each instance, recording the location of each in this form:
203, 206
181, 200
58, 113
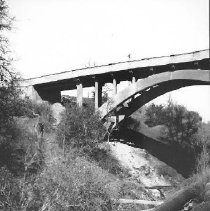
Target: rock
156, 193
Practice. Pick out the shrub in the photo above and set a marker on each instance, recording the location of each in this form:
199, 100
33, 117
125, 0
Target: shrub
80, 128
43, 109
9, 156
46, 114
14, 138
19, 141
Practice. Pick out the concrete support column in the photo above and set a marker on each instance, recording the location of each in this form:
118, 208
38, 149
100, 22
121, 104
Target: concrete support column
133, 79
79, 94
114, 86
98, 94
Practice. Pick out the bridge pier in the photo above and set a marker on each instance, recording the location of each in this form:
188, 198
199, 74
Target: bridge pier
98, 94
114, 86
132, 77
79, 93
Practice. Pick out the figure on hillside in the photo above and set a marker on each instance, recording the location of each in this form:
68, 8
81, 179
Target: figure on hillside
39, 124
41, 128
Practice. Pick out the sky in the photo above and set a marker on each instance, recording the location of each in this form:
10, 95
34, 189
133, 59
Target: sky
51, 36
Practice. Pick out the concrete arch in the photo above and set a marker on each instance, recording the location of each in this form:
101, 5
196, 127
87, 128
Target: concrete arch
137, 94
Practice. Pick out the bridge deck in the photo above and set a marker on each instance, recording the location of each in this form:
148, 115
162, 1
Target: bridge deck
117, 67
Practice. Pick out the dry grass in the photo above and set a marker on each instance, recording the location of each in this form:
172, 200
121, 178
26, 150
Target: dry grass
74, 182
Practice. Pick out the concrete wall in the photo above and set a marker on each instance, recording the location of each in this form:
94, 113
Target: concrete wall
31, 93
42, 94
52, 95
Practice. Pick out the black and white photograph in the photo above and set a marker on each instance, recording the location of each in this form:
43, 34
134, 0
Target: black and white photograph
104, 105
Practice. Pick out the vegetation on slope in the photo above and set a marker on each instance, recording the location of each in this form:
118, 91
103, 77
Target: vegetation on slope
80, 128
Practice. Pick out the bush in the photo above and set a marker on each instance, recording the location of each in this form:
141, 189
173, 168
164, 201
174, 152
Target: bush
80, 128
18, 138
43, 109
13, 144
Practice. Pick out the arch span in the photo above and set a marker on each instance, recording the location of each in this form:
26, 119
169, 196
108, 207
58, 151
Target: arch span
138, 94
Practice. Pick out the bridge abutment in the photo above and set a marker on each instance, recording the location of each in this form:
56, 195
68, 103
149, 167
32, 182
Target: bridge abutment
51, 95
38, 94
31, 93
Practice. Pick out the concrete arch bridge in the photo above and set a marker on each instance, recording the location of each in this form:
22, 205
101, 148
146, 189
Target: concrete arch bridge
149, 78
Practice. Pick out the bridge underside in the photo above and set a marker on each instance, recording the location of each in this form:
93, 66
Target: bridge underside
138, 94
52, 95
153, 92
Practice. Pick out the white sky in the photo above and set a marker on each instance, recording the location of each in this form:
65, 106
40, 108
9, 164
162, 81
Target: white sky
58, 35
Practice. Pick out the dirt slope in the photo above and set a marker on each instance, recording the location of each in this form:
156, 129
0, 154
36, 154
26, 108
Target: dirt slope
143, 167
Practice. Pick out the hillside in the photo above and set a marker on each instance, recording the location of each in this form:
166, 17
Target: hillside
112, 176
136, 172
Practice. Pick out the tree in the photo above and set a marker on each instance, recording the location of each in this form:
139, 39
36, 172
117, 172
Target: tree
154, 115
8, 90
10, 103
182, 125
5, 60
